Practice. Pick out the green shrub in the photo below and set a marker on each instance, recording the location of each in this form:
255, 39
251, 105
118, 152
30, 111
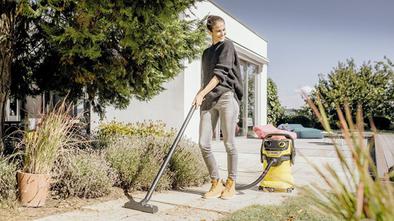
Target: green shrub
137, 160
142, 129
154, 150
136, 152
82, 174
123, 155
8, 186
298, 119
187, 165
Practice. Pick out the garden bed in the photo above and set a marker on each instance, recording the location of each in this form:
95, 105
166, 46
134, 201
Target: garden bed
55, 206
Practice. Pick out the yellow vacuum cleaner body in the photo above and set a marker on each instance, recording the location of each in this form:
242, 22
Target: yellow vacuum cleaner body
282, 153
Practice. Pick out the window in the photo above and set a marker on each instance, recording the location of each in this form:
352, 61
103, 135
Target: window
12, 110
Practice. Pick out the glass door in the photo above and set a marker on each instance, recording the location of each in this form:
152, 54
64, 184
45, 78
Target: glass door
247, 116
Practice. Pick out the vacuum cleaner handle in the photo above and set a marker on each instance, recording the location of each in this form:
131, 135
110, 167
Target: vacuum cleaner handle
278, 134
169, 155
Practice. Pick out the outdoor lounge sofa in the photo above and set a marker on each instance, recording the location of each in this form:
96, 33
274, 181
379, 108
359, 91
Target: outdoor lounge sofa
302, 132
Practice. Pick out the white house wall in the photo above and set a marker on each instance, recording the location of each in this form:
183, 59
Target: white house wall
166, 107
172, 105
192, 82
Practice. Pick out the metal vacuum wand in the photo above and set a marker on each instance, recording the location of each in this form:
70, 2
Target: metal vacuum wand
143, 204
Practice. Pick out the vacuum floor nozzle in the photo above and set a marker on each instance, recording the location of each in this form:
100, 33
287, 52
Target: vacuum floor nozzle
141, 206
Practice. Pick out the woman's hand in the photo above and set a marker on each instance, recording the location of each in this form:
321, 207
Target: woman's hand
201, 94
198, 100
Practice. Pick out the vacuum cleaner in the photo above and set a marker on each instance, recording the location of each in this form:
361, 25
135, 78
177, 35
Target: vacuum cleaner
143, 204
279, 178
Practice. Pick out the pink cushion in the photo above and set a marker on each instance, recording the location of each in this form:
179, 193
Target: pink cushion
262, 131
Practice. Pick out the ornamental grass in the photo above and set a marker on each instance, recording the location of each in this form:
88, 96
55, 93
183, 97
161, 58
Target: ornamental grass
357, 195
56, 130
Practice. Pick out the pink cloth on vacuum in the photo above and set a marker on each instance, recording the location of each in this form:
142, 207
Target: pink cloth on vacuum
262, 131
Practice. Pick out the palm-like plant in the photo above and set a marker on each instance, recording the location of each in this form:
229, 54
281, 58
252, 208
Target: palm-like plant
356, 196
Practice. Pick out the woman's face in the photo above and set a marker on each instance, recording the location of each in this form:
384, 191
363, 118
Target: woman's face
218, 32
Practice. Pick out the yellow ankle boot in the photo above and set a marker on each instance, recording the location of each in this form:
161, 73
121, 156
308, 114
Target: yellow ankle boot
229, 190
215, 191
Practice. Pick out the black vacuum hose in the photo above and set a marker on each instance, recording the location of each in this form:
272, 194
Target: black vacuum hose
261, 177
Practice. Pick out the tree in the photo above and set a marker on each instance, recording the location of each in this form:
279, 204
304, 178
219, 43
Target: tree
111, 51
7, 22
275, 109
370, 86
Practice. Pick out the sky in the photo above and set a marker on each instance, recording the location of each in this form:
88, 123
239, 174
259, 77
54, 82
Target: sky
309, 37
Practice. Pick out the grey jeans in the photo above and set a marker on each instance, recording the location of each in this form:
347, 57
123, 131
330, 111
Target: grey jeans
227, 109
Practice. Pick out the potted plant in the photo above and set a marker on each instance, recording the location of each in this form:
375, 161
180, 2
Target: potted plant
41, 148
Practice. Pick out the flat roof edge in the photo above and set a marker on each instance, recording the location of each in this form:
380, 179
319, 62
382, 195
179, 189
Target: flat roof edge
258, 57
247, 27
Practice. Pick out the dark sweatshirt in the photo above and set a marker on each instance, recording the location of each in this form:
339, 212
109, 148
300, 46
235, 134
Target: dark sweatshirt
221, 60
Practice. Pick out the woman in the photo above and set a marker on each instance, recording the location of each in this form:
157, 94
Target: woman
219, 97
